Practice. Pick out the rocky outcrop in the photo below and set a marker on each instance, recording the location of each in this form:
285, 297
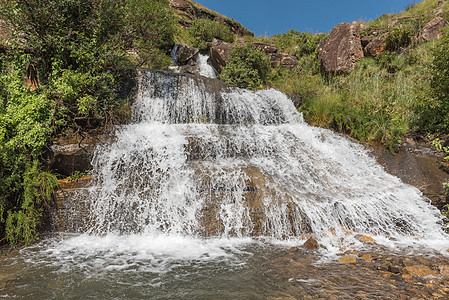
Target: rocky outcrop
219, 54
75, 151
185, 53
375, 47
432, 30
190, 11
342, 49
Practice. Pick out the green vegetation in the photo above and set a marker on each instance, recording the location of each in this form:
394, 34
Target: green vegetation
203, 31
247, 68
73, 55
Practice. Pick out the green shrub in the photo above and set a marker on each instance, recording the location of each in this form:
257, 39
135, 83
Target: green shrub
398, 38
247, 68
434, 108
204, 31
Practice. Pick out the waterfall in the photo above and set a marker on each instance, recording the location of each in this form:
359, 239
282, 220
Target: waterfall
205, 69
199, 160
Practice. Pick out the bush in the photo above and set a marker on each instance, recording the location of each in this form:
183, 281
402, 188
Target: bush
247, 68
204, 31
76, 53
398, 38
434, 109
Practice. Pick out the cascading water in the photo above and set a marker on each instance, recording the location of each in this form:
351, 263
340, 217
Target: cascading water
202, 195
238, 164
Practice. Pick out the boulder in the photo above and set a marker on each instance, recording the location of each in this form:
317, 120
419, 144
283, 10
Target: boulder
366, 40
376, 46
342, 49
311, 244
219, 55
432, 30
185, 54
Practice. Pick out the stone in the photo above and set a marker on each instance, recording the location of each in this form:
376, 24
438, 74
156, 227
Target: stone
366, 239
185, 54
311, 244
189, 69
76, 183
376, 46
432, 30
341, 49
419, 271
347, 259
366, 257
219, 55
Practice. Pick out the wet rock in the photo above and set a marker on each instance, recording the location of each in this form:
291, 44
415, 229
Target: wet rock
185, 54
75, 183
311, 244
366, 239
366, 257
416, 165
375, 47
341, 49
432, 30
419, 271
190, 69
74, 152
347, 259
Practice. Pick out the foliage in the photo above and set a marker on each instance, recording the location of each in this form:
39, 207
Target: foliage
78, 174
296, 43
204, 31
247, 68
434, 106
398, 38
74, 53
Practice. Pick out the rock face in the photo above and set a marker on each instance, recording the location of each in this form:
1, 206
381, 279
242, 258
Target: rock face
376, 46
342, 49
219, 55
417, 166
432, 30
190, 11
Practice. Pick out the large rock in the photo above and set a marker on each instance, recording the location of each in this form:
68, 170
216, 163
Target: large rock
185, 54
219, 55
342, 49
376, 46
432, 30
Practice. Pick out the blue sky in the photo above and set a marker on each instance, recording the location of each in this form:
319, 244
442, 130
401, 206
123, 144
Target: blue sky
268, 17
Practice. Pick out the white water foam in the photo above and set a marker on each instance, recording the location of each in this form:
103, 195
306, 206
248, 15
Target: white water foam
240, 164
205, 69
